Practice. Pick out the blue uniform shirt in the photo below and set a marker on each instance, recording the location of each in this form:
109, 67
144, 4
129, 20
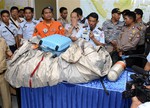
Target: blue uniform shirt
7, 35
98, 34
27, 29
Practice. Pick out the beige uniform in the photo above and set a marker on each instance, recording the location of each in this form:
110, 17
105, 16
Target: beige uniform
63, 21
128, 39
142, 28
4, 86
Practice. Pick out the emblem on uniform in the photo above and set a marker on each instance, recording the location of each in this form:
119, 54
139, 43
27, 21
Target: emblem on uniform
45, 30
60, 27
133, 31
130, 38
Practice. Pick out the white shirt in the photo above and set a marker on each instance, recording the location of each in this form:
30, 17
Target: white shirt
148, 57
144, 105
7, 35
74, 31
27, 29
98, 34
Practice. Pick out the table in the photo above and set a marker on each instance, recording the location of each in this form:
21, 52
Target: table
87, 95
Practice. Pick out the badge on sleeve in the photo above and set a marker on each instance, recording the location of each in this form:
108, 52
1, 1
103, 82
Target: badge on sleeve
45, 30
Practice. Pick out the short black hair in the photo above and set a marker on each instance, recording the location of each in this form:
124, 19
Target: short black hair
79, 11
14, 8
62, 9
21, 10
125, 11
75, 12
139, 11
93, 15
5, 11
29, 8
131, 14
49, 7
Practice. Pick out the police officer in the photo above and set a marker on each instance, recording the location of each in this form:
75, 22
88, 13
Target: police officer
91, 33
8, 31
48, 26
63, 16
26, 28
4, 86
112, 29
129, 37
142, 27
72, 28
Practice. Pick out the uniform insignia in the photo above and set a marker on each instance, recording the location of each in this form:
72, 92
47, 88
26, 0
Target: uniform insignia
85, 32
139, 28
4, 31
85, 26
130, 38
45, 30
133, 31
99, 28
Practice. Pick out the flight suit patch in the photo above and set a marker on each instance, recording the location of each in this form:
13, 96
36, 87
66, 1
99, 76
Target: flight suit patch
45, 30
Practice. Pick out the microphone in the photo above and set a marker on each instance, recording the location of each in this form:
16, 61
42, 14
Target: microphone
139, 70
91, 28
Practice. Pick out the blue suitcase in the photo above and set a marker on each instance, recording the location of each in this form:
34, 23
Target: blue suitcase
55, 43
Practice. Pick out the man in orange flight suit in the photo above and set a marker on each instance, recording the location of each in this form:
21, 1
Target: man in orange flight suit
48, 26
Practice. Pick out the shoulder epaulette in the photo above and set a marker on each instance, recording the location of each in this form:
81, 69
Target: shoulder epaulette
85, 26
99, 28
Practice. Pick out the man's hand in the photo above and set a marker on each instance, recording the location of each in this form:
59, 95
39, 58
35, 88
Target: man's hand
120, 53
91, 35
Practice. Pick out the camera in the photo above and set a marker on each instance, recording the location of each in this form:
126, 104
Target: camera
140, 80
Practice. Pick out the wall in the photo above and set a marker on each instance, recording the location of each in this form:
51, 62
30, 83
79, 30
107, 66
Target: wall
69, 4
40, 4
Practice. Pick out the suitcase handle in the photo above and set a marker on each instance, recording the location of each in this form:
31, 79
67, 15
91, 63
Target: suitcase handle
40, 43
56, 48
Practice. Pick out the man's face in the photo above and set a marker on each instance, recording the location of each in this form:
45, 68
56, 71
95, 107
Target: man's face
28, 14
92, 22
21, 14
116, 16
64, 14
14, 14
5, 17
74, 17
138, 16
47, 15
128, 20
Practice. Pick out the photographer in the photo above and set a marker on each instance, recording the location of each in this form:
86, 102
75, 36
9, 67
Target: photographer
135, 102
